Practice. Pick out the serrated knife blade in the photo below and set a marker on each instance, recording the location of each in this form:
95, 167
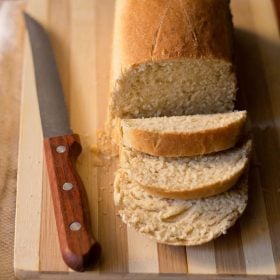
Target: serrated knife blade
53, 112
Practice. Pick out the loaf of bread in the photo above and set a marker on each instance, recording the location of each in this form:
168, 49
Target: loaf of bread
178, 222
172, 58
187, 177
173, 88
183, 135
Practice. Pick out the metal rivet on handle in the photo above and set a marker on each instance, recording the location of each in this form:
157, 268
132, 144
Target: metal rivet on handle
67, 186
60, 149
75, 226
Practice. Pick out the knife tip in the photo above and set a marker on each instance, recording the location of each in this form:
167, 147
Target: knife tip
28, 18
26, 15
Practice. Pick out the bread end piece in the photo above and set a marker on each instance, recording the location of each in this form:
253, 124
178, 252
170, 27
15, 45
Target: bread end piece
165, 51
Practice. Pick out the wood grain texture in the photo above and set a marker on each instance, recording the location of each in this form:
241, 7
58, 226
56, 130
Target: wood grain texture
112, 232
229, 252
201, 259
105, 11
81, 34
28, 212
172, 259
256, 238
254, 224
258, 85
59, 28
142, 253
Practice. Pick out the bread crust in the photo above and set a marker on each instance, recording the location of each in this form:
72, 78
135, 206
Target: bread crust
183, 143
156, 30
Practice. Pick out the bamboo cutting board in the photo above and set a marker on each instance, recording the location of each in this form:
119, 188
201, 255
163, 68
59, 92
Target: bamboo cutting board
81, 34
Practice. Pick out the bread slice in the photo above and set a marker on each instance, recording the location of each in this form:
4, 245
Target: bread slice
183, 135
172, 58
178, 222
188, 177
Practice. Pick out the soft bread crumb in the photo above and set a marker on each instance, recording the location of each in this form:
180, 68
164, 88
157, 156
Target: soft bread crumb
152, 89
185, 124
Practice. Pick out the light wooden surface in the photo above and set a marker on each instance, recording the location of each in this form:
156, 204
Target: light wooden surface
81, 34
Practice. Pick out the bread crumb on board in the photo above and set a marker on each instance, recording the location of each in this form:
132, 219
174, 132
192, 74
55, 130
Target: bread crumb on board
103, 151
106, 145
107, 142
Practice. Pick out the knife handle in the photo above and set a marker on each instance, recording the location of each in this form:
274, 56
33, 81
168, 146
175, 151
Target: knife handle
78, 247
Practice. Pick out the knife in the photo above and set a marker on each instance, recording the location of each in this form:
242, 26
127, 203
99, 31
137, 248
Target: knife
61, 147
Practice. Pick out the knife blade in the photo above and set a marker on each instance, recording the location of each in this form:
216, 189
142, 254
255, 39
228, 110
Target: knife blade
78, 247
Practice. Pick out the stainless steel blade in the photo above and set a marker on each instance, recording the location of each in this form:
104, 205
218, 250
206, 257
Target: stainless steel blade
54, 116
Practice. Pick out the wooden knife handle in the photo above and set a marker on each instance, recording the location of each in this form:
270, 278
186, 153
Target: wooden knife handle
78, 247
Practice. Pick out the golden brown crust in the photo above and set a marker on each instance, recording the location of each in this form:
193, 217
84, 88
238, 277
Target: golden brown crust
153, 30
183, 144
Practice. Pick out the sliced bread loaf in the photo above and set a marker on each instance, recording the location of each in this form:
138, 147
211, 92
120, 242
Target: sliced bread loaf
183, 135
172, 58
188, 177
178, 222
